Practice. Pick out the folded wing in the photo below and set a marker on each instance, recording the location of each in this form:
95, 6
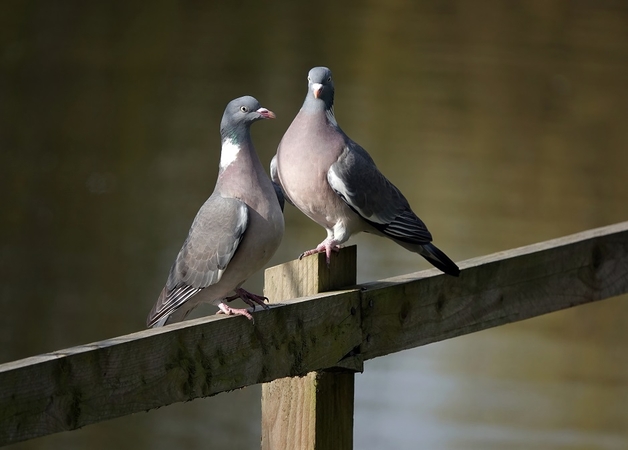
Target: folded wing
212, 241
356, 179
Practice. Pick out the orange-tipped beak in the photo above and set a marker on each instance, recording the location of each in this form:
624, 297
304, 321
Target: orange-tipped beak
317, 89
266, 113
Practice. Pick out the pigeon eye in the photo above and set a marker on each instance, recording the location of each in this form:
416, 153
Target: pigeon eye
328, 79
309, 79
244, 109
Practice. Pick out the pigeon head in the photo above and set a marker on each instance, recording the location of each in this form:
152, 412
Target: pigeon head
240, 114
321, 86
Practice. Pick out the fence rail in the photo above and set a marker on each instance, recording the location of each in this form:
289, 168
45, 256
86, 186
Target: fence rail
68, 389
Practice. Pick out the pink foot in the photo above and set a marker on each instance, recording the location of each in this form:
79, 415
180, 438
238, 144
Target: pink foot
228, 310
249, 298
326, 246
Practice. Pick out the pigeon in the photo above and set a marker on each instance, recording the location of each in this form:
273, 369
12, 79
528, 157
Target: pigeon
234, 234
336, 183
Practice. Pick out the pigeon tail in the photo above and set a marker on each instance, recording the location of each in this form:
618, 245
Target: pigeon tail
439, 260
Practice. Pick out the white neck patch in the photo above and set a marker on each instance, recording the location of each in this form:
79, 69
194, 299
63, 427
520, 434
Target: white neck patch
229, 153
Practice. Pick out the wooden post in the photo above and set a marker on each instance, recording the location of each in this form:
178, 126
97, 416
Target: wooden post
313, 412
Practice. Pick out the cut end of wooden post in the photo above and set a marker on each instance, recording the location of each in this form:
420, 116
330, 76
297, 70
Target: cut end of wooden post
310, 275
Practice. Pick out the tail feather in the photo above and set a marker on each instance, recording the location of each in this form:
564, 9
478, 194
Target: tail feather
439, 260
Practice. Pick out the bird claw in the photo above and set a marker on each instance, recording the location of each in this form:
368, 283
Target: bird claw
249, 298
324, 247
229, 311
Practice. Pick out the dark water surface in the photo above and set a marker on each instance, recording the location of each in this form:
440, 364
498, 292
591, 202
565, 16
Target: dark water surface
504, 123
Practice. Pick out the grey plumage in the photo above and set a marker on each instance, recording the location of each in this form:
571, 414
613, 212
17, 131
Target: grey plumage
280, 197
235, 232
336, 183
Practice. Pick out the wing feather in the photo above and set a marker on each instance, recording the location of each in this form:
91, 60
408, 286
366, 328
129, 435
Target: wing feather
210, 245
356, 179
279, 190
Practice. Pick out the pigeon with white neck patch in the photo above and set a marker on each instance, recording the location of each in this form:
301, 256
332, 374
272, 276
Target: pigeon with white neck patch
235, 232
336, 183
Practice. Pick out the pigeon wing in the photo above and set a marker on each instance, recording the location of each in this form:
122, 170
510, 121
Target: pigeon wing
356, 179
212, 241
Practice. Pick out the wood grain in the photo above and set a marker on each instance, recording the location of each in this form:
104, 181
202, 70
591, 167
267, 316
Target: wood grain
416, 309
314, 412
71, 388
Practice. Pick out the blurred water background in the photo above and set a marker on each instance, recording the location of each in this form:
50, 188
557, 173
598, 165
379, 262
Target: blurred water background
503, 122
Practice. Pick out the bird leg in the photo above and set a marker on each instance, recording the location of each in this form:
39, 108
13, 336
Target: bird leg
327, 246
249, 298
228, 310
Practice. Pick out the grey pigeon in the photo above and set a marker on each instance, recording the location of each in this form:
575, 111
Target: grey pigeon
234, 233
336, 183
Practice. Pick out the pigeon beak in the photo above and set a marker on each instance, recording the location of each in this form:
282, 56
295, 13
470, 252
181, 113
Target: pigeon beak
317, 89
266, 113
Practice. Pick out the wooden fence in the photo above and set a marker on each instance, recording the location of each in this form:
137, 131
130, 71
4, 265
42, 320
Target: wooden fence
319, 340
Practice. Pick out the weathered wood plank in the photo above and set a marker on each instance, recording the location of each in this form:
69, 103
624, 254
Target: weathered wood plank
71, 388
416, 309
314, 412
